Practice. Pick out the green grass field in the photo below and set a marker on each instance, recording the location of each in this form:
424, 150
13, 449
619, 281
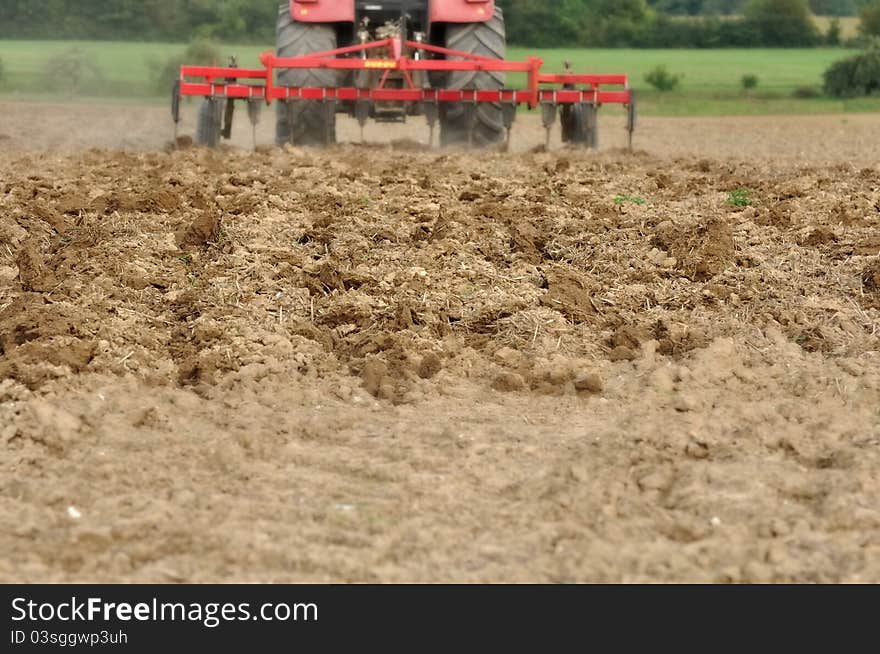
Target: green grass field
710, 84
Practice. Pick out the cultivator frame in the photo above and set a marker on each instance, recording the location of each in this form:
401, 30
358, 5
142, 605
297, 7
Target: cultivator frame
547, 91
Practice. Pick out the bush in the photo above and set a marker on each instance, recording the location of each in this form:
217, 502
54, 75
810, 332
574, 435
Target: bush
200, 52
782, 23
806, 93
838, 79
73, 71
856, 76
662, 80
869, 19
749, 82
833, 36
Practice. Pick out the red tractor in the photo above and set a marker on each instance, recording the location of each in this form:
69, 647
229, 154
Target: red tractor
311, 26
386, 60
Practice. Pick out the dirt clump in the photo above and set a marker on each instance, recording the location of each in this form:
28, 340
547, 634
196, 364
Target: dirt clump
430, 365
625, 342
701, 250
819, 236
871, 284
568, 291
589, 382
867, 247
52, 217
37, 337
200, 232
377, 380
32, 271
35, 364
509, 382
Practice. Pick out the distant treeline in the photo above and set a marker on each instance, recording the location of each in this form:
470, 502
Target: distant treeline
730, 7
676, 23
143, 20
550, 23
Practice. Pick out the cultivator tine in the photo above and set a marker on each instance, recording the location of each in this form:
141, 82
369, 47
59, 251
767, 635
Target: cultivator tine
432, 115
329, 107
470, 109
631, 119
593, 126
254, 108
175, 109
228, 115
290, 113
508, 112
362, 113
548, 116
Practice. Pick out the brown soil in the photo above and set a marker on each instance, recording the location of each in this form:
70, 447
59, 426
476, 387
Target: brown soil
809, 140
871, 284
397, 364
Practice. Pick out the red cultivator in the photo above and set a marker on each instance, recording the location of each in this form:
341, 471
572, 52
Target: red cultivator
392, 78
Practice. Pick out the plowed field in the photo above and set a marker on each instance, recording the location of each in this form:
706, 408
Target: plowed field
382, 362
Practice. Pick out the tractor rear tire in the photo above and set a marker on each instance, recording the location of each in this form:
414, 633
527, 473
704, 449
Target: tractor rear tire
304, 122
488, 39
209, 123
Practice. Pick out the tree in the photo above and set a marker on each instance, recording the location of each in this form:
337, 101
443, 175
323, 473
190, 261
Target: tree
576, 22
543, 24
782, 23
833, 7
869, 19
615, 22
856, 76
832, 36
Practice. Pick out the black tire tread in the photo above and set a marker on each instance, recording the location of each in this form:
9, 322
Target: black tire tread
304, 122
208, 125
488, 39
579, 125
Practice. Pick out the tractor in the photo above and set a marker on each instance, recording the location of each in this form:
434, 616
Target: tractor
319, 25
387, 60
